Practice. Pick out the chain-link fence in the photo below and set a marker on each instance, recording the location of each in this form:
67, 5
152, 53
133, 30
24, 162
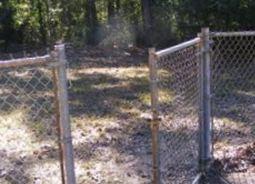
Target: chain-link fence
178, 106
35, 134
203, 107
233, 87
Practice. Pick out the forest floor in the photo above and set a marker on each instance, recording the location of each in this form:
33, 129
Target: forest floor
109, 102
109, 106
109, 98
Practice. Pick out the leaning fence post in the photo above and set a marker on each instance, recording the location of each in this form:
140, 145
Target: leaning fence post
155, 118
205, 125
64, 119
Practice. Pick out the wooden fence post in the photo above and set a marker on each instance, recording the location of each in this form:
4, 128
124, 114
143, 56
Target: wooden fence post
155, 118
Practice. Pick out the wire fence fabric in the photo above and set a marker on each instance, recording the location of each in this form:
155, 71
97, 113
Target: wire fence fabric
29, 146
178, 89
233, 77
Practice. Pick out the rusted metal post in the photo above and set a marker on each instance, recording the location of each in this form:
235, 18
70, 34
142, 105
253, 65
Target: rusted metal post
205, 123
64, 119
155, 118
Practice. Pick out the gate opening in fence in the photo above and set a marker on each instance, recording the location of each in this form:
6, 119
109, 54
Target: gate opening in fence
203, 105
35, 132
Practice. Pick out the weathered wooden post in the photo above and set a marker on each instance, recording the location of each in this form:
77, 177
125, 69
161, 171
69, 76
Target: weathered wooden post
155, 118
205, 122
63, 116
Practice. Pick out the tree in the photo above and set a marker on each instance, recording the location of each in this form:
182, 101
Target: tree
147, 20
151, 22
91, 21
42, 29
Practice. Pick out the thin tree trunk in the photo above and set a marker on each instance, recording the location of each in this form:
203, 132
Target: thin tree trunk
42, 28
92, 22
117, 6
134, 22
110, 11
147, 20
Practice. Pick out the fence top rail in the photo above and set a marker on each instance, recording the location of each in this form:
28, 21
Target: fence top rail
40, 60
175, 48
225, 34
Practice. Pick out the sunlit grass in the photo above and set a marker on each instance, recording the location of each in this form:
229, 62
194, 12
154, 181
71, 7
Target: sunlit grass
87, 129
120, 72
109, 169
49, 168
83, 87
162, 73
232, 133
108, 85
229, 124
15, 134
165, 96
247, 93
19, 139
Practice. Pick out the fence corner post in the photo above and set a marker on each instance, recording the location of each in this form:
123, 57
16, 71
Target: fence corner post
205, 122
64, 118
155, 118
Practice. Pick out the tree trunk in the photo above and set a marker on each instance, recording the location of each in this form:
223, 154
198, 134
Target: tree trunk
134, 22
147, 20
91, 22
117, 6
110, 11
42, 27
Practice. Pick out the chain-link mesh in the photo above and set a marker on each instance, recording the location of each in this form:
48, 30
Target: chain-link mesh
178, 85
28, 147
233, 87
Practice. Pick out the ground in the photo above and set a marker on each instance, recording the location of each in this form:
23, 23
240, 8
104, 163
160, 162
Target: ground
109, 94
109, 100
109, 105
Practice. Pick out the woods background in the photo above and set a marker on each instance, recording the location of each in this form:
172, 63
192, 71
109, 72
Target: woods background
39, 23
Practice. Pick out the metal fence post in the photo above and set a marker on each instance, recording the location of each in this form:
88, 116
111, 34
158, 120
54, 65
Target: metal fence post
205, 125
64, 119
155, 118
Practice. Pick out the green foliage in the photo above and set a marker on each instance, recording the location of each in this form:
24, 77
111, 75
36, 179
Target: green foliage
39, 22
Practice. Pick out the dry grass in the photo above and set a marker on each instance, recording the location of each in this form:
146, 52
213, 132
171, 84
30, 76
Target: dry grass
110, 138
109, 97
105, 138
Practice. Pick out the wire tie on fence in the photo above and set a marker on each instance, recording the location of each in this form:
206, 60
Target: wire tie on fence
203, 50
211, 42
65, 140
11, 56
198, 53
56, 64
48, 50
212, 95
25, 54
154, 81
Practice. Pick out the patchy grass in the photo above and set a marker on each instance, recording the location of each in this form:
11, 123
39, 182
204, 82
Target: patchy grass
109, 98
25, 158
109, 101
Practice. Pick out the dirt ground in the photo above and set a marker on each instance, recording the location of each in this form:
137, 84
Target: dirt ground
109, 102
109, 95
109, 105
